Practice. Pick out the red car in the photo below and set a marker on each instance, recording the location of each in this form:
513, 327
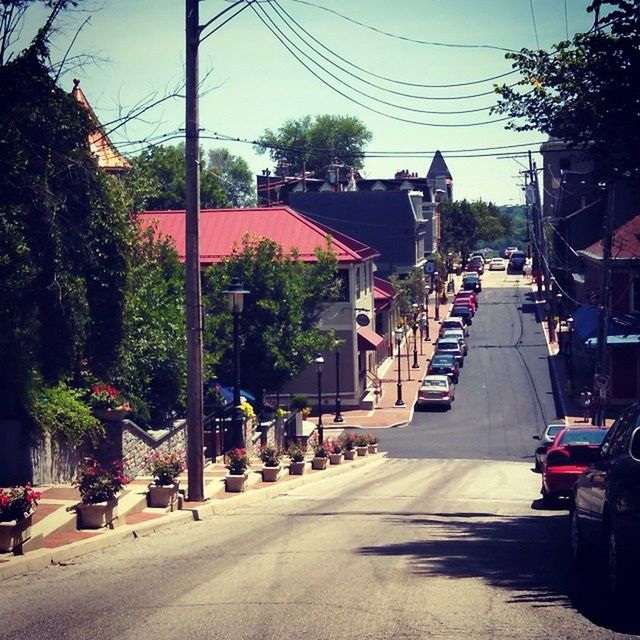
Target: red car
465, 302
572, 451
468, 294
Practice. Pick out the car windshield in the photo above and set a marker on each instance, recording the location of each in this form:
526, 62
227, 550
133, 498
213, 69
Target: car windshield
447, 345
435, 383
452, 334
442, 361
554, 429
582, 436
459, 310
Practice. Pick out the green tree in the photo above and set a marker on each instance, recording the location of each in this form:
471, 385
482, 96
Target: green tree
237, 179
279, 325
154, 362
314, 143
491, 222
157, 181
585, 91
64, 236
459, 227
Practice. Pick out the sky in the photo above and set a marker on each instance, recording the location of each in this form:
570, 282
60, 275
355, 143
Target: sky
409, 54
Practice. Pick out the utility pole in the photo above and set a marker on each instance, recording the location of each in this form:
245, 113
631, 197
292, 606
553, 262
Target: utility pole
193, 294
604, 309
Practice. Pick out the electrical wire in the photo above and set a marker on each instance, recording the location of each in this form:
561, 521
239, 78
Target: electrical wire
311, 59
369, 108
274, 4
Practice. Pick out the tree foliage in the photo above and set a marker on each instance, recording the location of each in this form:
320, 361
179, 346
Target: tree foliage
279, 325
237, 179
64, 236
314, 143
158, 180
585, 91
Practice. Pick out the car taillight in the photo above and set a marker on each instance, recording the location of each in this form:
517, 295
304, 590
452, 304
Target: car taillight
444, 394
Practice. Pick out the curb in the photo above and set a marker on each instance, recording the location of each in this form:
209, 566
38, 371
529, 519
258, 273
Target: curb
42, 558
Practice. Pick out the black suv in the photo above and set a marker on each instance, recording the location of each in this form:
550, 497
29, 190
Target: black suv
517, 261
605, 515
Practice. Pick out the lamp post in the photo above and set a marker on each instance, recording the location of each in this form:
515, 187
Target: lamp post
559, 311
436, 280
235, 296
415, 364
399, 401
570, 354
319, 363
338, 417
426, 316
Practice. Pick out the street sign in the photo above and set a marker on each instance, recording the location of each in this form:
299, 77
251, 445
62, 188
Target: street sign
601, 382
363, 319
430, 267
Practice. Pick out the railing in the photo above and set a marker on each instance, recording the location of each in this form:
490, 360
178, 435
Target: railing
376, 384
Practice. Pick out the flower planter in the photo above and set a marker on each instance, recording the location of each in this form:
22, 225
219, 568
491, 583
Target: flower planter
110, 415
372, 448
297, 468
362, 451
235, 483
162, 495
15, 533
270, 474
96, 516
349, 454
335, 458
319, 464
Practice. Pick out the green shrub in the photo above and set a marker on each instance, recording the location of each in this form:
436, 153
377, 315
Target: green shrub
60, 410
298, 403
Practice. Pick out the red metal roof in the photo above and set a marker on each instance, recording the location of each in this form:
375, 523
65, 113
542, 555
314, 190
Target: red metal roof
383, 293
625, 243
222, 230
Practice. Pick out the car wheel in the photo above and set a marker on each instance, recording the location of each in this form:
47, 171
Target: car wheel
548, 500
537, 467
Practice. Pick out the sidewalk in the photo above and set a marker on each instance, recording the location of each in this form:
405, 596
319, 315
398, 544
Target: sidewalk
55, 539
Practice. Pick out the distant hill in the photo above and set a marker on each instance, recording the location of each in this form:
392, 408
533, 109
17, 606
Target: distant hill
518, 234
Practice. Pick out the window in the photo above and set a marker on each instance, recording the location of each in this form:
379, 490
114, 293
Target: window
358, 283
343, 285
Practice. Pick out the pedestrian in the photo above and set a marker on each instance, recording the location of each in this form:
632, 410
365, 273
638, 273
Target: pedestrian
584, 400
527, 271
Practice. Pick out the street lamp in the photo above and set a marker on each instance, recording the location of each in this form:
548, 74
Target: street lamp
235, 297
399, 401
559, 310
319, 363
415, 364
570, 354
425, 317
435, 277
338, 417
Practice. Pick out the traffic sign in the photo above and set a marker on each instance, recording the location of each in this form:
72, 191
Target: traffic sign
601, 382
430, 267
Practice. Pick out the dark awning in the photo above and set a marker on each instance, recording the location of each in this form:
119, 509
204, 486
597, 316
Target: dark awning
368, 339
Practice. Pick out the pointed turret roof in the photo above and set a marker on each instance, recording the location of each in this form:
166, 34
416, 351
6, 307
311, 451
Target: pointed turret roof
102, 148
438, 168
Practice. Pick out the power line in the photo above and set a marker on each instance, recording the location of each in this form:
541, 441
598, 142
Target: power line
533, 19
278, 9
367, 107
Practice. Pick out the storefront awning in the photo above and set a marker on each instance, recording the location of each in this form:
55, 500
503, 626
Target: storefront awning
368, 339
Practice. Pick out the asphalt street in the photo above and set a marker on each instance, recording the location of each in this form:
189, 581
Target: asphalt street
504, 395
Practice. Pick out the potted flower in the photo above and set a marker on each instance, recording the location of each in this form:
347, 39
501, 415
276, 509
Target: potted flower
165, 467
349, 446
270, 457
107, 403
372, 443
320, 456
296, 455
99, 486
280, 413
237, 465
362, 446
336, 454
17, 505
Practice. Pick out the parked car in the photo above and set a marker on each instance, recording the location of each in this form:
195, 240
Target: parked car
508, 251
472, 282
517, 261
462, 312
477, 265
436, 391
444, 364
605, 515
451, 347
497, 264
457, 334
572, 451
468, 294
546, 440
465, 302
453, 323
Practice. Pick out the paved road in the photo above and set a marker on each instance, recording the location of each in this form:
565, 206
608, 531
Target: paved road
407, 549
504, 394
